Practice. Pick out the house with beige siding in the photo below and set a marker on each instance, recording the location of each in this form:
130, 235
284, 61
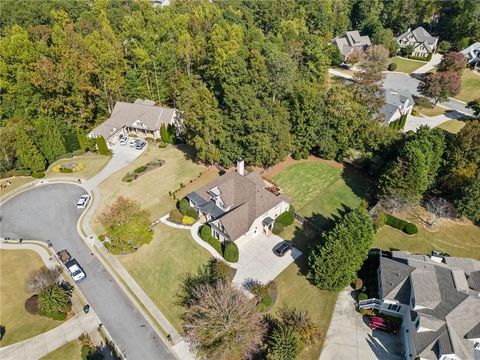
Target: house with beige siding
423, 43
238, 206
142, 117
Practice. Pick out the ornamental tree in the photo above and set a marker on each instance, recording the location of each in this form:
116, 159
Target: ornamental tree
440, 86
453, 61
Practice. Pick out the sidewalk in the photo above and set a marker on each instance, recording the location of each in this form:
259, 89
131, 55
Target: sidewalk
41, 345
435, 60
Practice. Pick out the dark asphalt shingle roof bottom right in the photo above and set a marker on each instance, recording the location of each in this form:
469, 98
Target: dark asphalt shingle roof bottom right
392, 273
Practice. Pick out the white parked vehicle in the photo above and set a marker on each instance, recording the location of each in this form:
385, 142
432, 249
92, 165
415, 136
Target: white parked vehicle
132, 142
75, 270
123, 141
83, 201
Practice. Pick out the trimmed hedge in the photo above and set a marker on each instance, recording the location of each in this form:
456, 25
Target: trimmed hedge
66, 170
175, 217
187, 220
362, 296
78, 152
400, 224
192, 213
64, 156
277, 228
140, 169
12, 173
53, 315
206, 235
392, 67
183, 206
286, 218
38, 174
102, 146
231, 252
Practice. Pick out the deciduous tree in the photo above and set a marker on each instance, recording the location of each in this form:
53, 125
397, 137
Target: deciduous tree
27, 152
440, 86
468, 204
453, 61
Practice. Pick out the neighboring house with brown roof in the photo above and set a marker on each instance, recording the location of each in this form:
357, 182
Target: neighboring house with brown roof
439, 301
238, 206
141, 117
423, 43
351, 40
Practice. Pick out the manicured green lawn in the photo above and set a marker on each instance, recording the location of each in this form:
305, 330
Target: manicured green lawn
437, 110
320, 191
16, 182
15, 266
151, 189
93, 164
455, 239
470, 86
406, 65
159, 267
452, 126
69, 351
294, 290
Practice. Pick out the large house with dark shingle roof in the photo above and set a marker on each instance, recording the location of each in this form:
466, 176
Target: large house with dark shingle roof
439, 301
350, 41
238, 206
397, 103
423, 43
141, 117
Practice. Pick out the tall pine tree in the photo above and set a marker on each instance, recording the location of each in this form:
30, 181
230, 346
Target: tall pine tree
28, 153
50, 139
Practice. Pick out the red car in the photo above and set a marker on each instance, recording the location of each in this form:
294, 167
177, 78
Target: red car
379, 323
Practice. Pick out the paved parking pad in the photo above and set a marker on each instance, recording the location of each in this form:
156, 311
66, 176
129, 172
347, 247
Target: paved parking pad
257, 260
349, 337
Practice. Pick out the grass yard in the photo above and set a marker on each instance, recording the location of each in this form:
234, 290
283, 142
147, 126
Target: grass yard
69, 351
296, 291
437, 110
151, 189
470, 86
406, 65
16, 181
320, 191
15, 266
158, 267
452, 126
455, 239
93, 164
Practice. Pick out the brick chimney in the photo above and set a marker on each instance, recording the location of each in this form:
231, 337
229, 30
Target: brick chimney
241, 166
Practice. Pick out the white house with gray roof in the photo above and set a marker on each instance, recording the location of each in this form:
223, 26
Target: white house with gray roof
472, 53
423, 43
238, 206
438, 299
141, 117
397, 103
351, 40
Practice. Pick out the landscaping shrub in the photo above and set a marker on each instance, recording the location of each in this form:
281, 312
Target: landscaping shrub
31, 305
129, 177
78, 152
187, 220
380, 219
140, 169
38, 174
206, 235
66, 170
162, 146
362, 296
11, 173
392, 67
367, 312
53, 315
64, 156
358, 284
277, 228
132, 134
183, 206
219, 269
285, 218
231, 252
102, 146
400, 224
175, 217
192, 213
101, 238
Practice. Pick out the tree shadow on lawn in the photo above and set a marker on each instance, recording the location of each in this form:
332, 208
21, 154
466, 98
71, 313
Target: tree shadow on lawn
361, 184
188, 151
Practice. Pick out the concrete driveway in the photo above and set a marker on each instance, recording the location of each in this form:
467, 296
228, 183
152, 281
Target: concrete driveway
48, 213
349, 338
257, 260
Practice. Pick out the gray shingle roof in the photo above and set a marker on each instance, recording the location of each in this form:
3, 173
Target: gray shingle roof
392, 273
350, 40
142, 113
247, 198
394, 99
421, 36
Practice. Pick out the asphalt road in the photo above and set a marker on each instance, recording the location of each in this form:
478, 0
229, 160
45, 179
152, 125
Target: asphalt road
49, 213
407, 82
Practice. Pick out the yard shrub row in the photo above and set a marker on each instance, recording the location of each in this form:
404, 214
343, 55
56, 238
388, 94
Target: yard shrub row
400, 224
229, 251
38, 174
278, 228
11, 173
102, 146
398, 124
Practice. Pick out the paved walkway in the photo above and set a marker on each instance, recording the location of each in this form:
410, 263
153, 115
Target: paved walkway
41, 345
349, 338
434, 61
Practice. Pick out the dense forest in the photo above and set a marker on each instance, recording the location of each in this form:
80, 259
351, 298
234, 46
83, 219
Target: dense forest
249, 76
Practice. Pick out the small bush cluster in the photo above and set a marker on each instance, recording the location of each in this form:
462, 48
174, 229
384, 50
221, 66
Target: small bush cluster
175, 216
101, 238
188, 220
230, 252
392, 67
190, 215
11, 173
398, 124
286, 218
78, 152
66, 170
277, 228
102, 146
362, 296
140, 169
38, 174
400, 224
162, 146
206, 235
